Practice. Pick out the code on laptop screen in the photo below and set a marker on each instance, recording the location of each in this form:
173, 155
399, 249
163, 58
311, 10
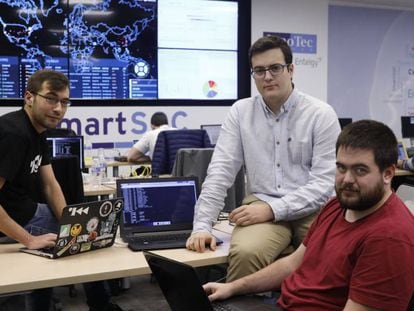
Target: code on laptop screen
66, 146
159, 203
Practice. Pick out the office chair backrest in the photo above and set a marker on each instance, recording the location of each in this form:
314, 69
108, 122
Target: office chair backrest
168, 143
69, 176
195, 162
406, 194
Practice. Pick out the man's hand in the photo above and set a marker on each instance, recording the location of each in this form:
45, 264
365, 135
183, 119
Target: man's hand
198, 241
218, 291
41, 241
254, 213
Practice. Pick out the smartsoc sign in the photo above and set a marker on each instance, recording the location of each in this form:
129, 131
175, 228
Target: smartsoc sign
122, 126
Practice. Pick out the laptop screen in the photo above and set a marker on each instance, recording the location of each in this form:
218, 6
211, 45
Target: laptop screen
213, 132
402, 153
157, 204
66, 145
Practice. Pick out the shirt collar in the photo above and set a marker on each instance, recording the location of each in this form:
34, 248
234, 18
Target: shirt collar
286, 107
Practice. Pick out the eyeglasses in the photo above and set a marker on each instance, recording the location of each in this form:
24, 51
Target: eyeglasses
275, 69
54, 100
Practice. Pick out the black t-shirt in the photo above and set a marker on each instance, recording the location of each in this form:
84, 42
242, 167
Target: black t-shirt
22, 151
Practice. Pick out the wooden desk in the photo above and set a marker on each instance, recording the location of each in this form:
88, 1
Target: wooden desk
116, 164
91, 190
399, 172
21, 272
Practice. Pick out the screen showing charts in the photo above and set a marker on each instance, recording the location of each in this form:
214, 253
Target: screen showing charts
142, 49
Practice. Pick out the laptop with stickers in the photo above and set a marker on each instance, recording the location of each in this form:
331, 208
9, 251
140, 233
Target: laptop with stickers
84, 227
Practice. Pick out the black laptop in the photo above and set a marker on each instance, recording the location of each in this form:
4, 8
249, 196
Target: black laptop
158, 212
84, 227
182, 289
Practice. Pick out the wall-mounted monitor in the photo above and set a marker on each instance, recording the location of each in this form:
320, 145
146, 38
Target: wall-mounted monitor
344, 121
165, 52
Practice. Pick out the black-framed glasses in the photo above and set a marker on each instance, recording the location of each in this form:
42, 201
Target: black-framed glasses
54, 100
275, 69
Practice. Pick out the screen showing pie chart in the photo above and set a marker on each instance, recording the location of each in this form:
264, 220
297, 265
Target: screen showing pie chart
210, 89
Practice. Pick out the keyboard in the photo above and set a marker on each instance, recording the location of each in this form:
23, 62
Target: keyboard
220, 307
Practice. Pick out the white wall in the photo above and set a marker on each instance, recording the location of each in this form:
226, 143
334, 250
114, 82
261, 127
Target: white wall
303, 17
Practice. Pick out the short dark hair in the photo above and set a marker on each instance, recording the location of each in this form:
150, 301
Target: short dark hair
270, 42
371, 135
159, 118
56, 80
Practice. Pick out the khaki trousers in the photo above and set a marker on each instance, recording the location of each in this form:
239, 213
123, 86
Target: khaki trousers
256, 246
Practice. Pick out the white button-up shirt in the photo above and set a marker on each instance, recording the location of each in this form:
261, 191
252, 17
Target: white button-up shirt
289, 157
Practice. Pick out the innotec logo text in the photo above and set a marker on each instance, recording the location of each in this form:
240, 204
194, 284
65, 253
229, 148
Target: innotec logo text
298, 42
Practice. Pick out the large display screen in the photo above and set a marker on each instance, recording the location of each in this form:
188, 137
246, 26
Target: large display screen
125, 50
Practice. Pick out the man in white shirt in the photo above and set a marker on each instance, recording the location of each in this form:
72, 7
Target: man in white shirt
286, 141
143, 149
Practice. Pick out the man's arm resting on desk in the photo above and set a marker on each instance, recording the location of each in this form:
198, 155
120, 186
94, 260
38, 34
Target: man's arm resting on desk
198, 241
268, 278
134, 155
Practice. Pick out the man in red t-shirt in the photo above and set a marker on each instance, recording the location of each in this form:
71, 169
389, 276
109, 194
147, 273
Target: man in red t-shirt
359, 252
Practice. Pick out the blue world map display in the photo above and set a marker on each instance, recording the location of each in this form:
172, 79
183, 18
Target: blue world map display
107, 48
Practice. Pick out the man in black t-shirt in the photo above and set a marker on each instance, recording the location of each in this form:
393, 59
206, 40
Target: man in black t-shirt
24, 165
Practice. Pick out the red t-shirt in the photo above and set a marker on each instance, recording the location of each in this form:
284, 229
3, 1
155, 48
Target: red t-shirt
370, 261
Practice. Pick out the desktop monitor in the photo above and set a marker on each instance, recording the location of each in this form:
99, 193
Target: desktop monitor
213, 132
407, 126
344, 121
67, 146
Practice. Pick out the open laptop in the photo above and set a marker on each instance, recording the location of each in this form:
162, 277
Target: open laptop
213, 132
158, 212
67, 146
402, 151
182, 289
84, 227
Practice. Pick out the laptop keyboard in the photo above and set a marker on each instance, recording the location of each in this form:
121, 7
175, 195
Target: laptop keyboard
160, 237
174, 240
48, 250
220, 307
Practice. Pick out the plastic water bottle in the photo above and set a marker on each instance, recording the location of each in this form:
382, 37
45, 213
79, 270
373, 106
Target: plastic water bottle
101, 166
88, 151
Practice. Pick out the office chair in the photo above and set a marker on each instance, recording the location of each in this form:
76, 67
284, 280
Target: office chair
69, 176
168, 143
195, 162
406, 194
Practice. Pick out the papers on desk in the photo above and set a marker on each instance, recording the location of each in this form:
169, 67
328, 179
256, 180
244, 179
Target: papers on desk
224, 226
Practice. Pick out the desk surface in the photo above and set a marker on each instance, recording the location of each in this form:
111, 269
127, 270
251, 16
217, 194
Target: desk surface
91, 190
88, 163
399, 172
21, 271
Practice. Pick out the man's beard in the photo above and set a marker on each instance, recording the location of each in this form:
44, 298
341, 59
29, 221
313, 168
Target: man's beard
364, 201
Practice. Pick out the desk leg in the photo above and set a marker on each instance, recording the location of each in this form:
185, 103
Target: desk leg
115, 171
